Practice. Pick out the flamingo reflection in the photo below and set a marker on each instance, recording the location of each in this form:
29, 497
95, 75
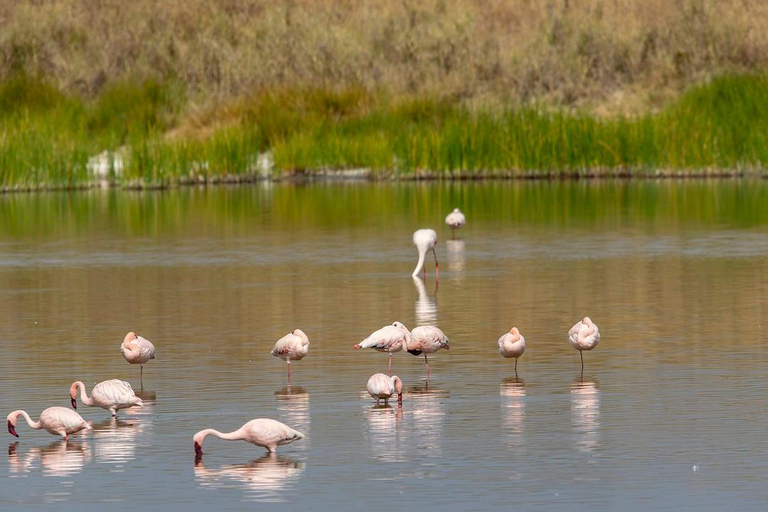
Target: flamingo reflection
293, 404
512, 391
426, 306
266, 479
56, 459
456, 255
427, 407
115, 440
385, 433
585, 414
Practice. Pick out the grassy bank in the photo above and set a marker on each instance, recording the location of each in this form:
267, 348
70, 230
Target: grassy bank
148, 135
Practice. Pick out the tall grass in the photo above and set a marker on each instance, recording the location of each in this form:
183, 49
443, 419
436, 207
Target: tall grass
48, 138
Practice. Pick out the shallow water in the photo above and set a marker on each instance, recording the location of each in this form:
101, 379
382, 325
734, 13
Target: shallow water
668, 414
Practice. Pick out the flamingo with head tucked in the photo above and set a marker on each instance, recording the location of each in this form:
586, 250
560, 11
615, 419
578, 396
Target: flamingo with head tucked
427, 339
263, 432
137, 350
111, 395
58, 421
383, 386
584, 336
455, 220
391, 338
512, 344
425, 241
291, 347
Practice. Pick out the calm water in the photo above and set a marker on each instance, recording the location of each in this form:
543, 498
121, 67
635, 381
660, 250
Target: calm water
671, 411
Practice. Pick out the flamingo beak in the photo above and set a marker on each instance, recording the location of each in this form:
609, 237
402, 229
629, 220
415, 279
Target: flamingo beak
12, 429
447, 347
198, 449
399, 398
74, 403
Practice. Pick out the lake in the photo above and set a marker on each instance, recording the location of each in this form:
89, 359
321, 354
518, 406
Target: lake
670, 412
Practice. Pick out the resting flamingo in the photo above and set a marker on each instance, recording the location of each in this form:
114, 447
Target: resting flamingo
293, 346
137, 350
512, 344
425, 240
383, 386
427, 339
58, 421
584, 336
390, 339
262, 432
111, 395
455, 220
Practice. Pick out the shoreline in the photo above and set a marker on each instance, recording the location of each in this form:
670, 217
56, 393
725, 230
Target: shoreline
374, 176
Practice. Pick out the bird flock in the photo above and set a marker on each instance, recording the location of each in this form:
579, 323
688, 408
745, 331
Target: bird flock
114, 395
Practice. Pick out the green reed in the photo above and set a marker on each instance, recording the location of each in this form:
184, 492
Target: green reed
47, 138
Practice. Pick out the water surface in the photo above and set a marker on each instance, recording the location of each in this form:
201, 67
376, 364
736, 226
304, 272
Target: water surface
668, 414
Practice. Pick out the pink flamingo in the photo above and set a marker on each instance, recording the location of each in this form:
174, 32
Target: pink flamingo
584, 336
425, 240
383, 386
390, 339
262, 432
427, 339
512, 344
111, 395
58, 421
293, 346
455, 220
137, 350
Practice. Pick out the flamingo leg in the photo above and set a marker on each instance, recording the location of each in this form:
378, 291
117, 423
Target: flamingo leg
437, 268
289, 372
389, 368
426, 361
515, 367
141, 376
581, 353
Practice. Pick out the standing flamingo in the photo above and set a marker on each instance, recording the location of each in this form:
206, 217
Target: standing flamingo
293, 346
427, 339
58, 421
111, 395
390, 339
584, 336
425, 240
383, 386
137, 350
512, 344
455, 220
262, 432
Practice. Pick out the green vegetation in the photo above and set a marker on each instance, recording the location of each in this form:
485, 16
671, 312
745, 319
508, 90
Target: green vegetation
52, 139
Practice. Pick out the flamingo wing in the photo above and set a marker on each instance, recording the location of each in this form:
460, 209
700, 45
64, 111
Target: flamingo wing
384, 339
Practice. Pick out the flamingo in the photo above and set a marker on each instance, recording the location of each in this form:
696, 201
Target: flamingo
111, 395
584, 336
387, 339
383, 386
262, 432
58, 421
293, 346
427, 339
455, 220
512, 344
425, 240
137, 350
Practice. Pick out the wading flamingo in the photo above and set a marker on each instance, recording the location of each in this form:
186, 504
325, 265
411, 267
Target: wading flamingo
58, 421
512, 344
262, 432
584, 336
137, 350
111, 395
383, 386
455, 220
292, 347
391, 338
427, 339
425, 240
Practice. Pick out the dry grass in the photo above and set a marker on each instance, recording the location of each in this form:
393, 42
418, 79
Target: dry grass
605, 56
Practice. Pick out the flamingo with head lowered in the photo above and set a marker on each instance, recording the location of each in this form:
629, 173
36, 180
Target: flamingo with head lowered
383, 386
425, 241
137, 350
291, 347
427, 339
584, 336
263, 432
111, 395
58, 421
391, 338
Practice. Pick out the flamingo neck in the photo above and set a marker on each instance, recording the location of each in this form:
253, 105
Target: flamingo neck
87, 400
420, 263
228, 436
35, 425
